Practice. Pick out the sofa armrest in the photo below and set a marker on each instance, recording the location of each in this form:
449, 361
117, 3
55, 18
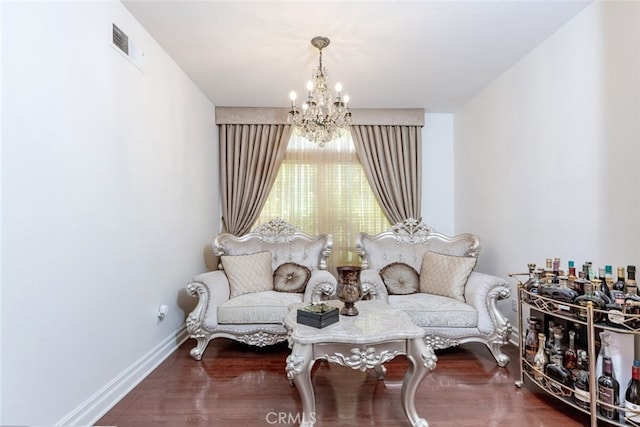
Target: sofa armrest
321, 282
373, 285
482, 292
212, 290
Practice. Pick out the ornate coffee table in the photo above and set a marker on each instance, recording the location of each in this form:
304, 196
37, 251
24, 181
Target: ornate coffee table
366, 341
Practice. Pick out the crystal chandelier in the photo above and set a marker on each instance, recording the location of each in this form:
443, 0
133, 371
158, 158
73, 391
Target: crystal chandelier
321, 119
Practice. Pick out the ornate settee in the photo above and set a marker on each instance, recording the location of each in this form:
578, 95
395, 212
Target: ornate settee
260, 275
430, 276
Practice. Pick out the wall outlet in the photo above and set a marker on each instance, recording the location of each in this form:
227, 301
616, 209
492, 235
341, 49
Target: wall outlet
162, 311
514, 304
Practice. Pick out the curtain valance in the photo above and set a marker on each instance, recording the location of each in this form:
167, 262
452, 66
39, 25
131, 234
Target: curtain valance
359, 116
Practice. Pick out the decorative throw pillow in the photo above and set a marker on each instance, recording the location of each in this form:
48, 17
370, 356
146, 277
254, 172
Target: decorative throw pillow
248, 273
291, 277
400, 278
445, 275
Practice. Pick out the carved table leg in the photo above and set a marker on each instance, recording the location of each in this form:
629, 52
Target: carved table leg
422, 359
299, 364
380, 371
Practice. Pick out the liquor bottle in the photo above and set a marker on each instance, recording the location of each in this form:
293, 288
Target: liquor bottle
601, 290
631, 286
558, 348
632, 397
605, 351
581, 393
636, 363
548, 270
619, 284
556, 269
608, 275
579, 283
531, 340
558, 293
608, 390
548, 347
563, 386
533, 284
615, 310
585, 271
571, 275
632, 300
604, 287
570, 355
540, 360
583, 300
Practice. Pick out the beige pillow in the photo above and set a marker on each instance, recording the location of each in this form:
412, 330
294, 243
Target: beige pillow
248, 273
400, 278
445, 275
291, 277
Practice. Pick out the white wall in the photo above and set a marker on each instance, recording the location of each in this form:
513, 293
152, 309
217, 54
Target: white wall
546, 157
437, 172
109, 197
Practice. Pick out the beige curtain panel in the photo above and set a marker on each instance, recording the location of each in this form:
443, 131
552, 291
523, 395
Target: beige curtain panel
391, 157
250, 156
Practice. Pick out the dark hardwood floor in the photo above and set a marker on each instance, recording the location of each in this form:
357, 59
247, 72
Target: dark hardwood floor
238, 385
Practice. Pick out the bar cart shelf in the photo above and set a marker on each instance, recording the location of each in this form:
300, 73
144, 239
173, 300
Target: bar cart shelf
562, 310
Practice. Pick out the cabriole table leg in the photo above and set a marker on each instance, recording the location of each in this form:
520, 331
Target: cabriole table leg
299, 364
421, 360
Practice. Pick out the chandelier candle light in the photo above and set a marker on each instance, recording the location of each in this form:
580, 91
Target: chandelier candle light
321, 119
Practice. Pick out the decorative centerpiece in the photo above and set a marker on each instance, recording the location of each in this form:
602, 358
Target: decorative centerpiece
349, 290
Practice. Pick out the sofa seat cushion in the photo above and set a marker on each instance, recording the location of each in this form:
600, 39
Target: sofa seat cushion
436, 311
257, 307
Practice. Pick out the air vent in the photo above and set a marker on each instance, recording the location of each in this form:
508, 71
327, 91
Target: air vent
120, 39
125, 46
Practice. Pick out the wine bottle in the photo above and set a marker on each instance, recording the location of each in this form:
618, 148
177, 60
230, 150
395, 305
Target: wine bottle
632, 397
608, 391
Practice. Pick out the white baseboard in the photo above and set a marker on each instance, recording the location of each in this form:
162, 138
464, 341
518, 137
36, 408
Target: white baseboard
106, 398
515, 338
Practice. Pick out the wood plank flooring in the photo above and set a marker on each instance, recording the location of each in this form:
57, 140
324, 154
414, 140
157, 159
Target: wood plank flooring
238, 385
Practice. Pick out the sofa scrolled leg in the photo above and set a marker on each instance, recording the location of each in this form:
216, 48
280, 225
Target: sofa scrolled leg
496, 351
197, 351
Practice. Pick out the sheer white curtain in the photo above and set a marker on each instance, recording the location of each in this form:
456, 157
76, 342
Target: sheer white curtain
324, 190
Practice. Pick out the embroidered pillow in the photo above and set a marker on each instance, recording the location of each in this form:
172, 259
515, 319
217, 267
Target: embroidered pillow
400, 278
291, 277
248, 273
445, 275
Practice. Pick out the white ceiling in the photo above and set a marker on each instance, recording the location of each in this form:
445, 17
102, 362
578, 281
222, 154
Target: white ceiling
387, 54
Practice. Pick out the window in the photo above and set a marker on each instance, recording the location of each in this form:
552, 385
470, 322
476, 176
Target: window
324, 190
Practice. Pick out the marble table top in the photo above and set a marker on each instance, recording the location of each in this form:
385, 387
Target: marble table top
377, 321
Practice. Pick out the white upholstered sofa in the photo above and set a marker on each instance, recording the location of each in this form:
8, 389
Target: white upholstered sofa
260, 275
430, 276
